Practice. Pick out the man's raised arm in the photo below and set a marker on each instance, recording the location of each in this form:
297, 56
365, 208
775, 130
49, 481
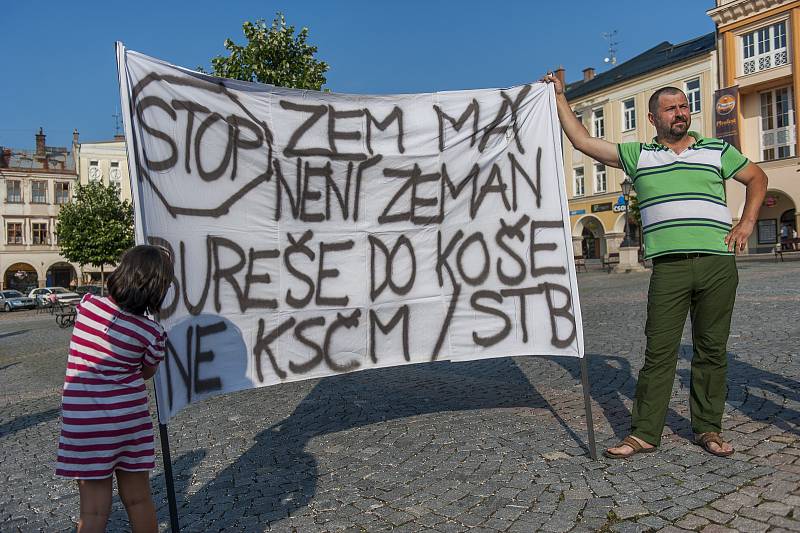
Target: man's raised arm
598, 149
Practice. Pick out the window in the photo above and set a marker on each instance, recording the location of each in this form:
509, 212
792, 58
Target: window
114, 174
94, 171
38, 192
777, 124
749, 47
598, 124
693, 95
628, 115
39, 232
62, 192
579, 182
14, 233
13, 191
764, 48
600, 181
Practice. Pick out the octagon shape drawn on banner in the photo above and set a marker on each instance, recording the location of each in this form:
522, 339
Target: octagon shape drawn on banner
240, 169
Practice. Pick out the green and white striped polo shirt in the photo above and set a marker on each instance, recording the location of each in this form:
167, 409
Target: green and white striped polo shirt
682, 196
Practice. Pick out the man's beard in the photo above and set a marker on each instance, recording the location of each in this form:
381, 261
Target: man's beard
677, 131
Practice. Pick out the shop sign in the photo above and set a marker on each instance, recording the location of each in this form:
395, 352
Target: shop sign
726, 117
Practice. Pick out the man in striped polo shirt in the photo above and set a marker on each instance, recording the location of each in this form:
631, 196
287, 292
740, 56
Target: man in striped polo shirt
679, 181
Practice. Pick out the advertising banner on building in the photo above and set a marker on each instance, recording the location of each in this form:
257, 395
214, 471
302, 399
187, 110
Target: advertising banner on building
726, 115
318, 233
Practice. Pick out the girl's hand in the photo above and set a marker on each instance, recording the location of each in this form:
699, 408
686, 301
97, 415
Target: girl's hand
148, 371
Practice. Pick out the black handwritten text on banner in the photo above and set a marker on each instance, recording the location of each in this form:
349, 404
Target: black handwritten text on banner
320, 233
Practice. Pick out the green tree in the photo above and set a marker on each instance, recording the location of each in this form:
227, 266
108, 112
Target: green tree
274, 55
96, 228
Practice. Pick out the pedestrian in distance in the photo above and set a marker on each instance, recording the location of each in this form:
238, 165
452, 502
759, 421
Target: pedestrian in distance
785, 236
106, 426
679, 178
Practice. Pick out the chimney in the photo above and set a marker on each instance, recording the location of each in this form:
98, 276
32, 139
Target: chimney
75, 136
588, 74
561, 75
5, 157
40, 151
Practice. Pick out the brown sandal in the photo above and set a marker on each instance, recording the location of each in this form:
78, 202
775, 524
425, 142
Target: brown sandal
635, 446
705, 439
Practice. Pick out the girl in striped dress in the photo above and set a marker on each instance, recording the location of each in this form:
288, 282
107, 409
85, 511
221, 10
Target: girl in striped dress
106, 426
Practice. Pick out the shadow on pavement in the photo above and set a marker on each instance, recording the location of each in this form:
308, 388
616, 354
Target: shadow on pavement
26, 421
757, 393
616, 383
281, 476
13, 333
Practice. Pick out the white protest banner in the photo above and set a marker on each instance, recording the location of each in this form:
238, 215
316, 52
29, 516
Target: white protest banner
318, 233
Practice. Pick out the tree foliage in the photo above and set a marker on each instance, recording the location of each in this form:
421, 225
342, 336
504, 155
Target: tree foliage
97, 227
274, 55
633, 210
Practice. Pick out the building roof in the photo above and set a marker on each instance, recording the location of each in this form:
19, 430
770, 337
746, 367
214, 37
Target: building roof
655, 58
54, 159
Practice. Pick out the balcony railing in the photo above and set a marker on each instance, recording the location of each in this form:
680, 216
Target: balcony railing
768, 60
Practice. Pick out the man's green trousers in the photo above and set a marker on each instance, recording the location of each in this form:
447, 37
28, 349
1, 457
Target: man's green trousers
705, 287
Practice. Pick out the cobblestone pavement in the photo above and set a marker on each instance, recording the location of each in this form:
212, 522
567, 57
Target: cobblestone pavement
497, 445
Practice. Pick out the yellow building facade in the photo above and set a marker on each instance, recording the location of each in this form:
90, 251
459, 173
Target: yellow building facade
758, 44
613, 105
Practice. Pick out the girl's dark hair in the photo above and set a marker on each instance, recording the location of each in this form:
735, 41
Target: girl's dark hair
141, 280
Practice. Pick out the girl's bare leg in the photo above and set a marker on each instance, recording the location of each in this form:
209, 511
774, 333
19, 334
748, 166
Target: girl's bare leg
95, 504
134, 491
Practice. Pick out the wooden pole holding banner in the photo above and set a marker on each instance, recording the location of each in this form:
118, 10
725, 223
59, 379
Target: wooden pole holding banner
587, 402
167, 460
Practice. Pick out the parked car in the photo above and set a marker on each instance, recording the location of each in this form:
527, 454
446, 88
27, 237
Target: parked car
62, 294
89, 289
13, 300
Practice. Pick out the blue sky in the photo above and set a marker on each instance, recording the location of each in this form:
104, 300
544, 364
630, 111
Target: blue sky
59, 70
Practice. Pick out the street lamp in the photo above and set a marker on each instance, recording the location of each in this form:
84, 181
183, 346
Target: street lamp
626, 185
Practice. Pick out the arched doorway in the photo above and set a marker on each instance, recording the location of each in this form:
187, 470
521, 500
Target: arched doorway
592, 237
777, 211
788, 218
61, 274
21, 277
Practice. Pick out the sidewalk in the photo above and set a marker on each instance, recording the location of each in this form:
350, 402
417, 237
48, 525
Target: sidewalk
495, 445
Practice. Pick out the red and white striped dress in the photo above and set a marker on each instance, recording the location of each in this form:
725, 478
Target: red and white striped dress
106, 422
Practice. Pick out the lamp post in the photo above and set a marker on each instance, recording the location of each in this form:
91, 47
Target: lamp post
626, 185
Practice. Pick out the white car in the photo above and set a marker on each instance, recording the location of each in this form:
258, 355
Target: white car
62, 294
